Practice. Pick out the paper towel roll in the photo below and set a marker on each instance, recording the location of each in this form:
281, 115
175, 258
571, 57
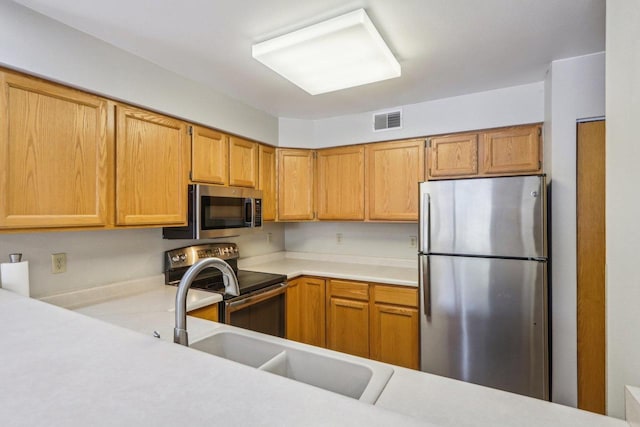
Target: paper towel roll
14, 277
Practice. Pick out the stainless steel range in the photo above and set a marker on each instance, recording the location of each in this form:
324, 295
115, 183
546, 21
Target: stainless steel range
261, 303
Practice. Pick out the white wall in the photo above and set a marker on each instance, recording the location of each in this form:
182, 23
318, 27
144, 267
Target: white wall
363, 239
623, 206
576, 92
101, 257
39, 45
500, 107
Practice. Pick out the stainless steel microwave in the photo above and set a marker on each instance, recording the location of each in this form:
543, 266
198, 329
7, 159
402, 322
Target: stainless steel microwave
219, 212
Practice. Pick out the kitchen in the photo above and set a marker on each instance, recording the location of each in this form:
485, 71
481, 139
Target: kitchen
573, 89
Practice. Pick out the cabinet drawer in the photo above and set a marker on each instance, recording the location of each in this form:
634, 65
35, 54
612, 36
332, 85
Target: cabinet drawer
351, 290
396, 295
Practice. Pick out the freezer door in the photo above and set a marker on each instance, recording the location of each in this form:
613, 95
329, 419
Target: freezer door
487, 216
484, 320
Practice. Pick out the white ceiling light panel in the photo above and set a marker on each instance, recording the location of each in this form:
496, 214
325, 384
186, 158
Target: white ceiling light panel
342, 52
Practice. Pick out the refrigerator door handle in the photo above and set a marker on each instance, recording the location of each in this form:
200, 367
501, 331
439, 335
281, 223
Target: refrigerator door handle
424, 222
425, 283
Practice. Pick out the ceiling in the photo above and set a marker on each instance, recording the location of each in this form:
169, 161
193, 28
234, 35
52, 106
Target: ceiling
445, 47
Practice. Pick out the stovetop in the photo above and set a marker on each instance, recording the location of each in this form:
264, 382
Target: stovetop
178, 261
248, 281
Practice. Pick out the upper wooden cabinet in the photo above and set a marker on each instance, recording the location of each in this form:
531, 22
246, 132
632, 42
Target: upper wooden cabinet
394, 170
341, 183
453, 155
243, 162
506, 151
209, 156
54, 155
512, 150
267, 181
151, 168
295, 184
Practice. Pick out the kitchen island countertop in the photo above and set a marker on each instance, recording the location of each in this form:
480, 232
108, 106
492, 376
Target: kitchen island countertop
139, 374
393, 271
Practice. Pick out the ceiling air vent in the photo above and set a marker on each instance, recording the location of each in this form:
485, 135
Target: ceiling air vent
387, 121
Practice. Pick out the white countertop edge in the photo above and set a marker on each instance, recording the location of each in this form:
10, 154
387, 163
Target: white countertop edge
354, 259
97, 294
341, 259
351, 276
632, 405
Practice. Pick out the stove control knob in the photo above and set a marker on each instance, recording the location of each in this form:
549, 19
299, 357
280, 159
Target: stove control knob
183, 257
175, 258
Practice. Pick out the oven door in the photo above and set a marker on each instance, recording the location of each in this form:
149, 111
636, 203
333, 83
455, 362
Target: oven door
261, 311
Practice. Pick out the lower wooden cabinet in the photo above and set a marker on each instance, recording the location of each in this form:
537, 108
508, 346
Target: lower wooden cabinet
368, 320
394, 335
394, 332
348, 317
209, 312
305, 311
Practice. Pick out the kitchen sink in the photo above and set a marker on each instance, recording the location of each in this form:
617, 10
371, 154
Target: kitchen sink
239, 348
350, 376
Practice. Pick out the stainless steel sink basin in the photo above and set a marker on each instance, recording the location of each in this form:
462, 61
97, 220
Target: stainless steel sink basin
340, 373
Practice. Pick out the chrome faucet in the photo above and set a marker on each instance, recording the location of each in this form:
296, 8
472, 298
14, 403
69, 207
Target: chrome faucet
230, 287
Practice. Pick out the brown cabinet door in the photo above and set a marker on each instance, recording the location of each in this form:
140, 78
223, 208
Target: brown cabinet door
209, 156
293, 310
295, 184
209, 312
394, 170
512, 150
243, 162
305, 311
152, 157
312, 315
453, 156
341, 183
55, 155
394, 335
348, 317
267, 181
348, 326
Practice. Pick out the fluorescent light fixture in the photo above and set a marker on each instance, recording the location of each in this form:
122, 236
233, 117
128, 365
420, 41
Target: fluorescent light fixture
342, 52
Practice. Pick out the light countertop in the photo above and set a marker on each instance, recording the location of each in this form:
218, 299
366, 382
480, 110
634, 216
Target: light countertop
366, 269
61, 368
90, 371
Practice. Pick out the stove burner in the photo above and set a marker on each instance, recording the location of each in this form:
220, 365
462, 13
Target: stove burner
178, 261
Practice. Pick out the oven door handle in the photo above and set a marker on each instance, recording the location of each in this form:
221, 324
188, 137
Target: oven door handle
254, 299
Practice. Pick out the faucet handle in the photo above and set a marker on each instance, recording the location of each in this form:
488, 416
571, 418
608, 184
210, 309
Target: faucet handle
156, 334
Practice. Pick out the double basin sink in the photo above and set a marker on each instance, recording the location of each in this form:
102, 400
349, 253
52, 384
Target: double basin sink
357, 378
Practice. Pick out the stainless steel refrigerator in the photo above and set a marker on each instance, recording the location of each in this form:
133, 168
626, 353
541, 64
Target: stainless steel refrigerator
483, 282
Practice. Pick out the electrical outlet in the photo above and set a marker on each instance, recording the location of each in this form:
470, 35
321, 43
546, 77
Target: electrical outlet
269, 237
413, 241
339, 238
58, 263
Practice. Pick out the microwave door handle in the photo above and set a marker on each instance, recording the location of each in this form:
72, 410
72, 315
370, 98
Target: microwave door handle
248, 212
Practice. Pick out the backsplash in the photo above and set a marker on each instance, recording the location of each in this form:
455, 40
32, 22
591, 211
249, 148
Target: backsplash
97, 258
390, 240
